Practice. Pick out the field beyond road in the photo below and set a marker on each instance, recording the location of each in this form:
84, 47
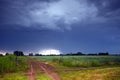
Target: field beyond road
80, 61
60, 68
84, 67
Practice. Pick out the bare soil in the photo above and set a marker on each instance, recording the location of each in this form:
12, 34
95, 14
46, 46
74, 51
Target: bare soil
37, 67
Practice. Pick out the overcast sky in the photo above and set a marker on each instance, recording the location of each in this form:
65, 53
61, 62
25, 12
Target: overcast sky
87, 26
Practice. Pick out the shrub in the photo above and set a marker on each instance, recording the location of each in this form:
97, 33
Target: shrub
8, 64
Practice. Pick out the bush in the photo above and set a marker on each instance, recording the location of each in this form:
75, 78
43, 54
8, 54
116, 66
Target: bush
8, 64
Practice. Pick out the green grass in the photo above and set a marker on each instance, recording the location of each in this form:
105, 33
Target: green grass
96, 74
21, 76
14, 76
42, 76
104, 67
80, 61
8, 64
107, 67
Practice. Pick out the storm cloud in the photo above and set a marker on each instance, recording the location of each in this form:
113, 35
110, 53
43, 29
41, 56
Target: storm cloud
46, 14
86, 25
107, 8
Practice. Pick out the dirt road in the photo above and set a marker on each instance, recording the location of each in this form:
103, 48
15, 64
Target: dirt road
37, 67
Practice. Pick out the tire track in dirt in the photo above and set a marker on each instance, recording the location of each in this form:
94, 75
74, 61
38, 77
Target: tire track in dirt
37, 67
49, 70
31, 73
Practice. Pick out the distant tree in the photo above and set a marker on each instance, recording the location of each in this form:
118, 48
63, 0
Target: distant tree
40, 54
37, 54
92, 54
103, 53
69, 54
1, 54
75, 54
18, 53
7, 54
30, 54
79, 53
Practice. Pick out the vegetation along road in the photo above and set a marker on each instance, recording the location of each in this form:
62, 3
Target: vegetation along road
37, 67
60, 68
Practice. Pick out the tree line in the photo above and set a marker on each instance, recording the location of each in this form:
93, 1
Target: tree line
91, 54
20, 53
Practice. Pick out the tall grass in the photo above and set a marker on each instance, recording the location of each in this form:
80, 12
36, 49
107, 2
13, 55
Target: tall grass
112, 73
81, 61
14, 76
90, 61
8, 64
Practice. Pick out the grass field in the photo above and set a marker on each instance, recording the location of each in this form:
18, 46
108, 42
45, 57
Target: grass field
81, 61
97, 67
9, 67
112, 73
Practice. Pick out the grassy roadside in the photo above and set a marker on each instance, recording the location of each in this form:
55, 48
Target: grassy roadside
96, 74
110, 72
14, 76
42, 76
12, 70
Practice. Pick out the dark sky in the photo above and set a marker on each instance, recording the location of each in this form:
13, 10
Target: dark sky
87, 26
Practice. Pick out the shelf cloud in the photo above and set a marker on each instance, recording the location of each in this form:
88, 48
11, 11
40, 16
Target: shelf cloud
49, 14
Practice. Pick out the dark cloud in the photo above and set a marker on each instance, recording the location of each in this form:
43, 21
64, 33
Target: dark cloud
106, 7
87, 25
45, 14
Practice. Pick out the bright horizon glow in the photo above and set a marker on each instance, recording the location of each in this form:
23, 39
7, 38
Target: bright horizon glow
1, 52
50, 52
